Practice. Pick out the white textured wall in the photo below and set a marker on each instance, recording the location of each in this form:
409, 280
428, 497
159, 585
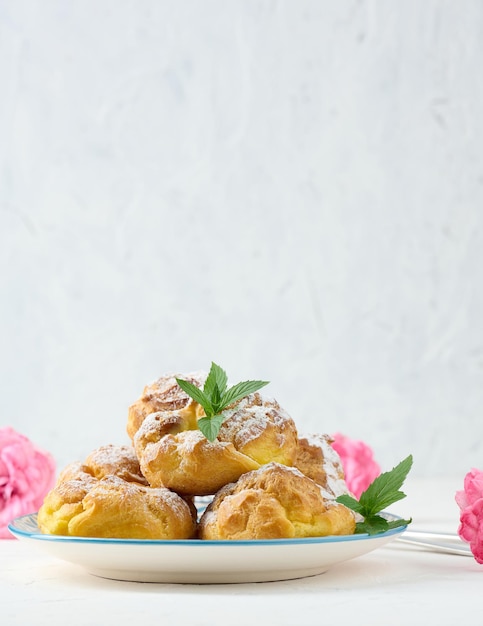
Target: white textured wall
292, 189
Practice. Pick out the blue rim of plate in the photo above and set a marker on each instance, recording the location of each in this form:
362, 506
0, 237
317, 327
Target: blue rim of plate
31, 521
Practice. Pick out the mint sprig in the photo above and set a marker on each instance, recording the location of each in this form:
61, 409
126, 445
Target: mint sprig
381, 493
214, 397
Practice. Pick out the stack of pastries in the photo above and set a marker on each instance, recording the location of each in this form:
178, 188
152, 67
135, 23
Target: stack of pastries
264, 479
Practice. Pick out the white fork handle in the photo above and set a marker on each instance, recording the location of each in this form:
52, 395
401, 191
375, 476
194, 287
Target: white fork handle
438, 542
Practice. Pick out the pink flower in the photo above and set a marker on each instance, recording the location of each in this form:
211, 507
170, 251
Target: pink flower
470, 501
26, 475
473, 489
358, 462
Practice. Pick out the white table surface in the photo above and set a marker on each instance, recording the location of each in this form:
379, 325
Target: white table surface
396, 584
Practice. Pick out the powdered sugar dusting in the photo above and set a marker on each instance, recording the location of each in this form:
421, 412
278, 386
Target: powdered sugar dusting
163, 498
111, 456
189, 439
166, 392
158, 424
332, 466
116, 461
248, 419
327, 496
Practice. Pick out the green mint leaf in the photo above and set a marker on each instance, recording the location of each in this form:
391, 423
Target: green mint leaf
241, 390
210, 426
214, 397
197, 394
372, 525
397, 523
350, 503
217, 378
384, 490
378, 524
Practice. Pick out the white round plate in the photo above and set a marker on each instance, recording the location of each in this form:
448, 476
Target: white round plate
196, 561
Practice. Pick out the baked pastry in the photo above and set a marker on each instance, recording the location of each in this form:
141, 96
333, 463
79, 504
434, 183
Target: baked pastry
172, 451
115, 508
175, 454
260, 428
317, 459
107, 496
62, 503
164, 394
274, 502
109, 460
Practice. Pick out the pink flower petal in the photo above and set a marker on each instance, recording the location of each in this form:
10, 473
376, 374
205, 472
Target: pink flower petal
26, 476
470, 501
358, 462
473, 485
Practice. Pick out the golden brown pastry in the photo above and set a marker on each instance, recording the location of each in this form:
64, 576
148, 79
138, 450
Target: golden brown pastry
75, 471
184, 460
107, 496
317, 459
174, 453
64, 502
109, 460
115, 508
274, 502
164, 394
260, 428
